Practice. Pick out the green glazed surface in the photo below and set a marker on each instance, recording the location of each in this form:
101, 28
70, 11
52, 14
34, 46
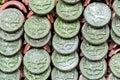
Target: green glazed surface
11, 20
11, 36
41, 7
84, 78
42, 76
95, 36
9, 48
116, 7
65, 62
66, 29
10, 64
116, 25
37, 42
69, 12
115, 38
10, 76
59, 75
97, 14
115, 65
37, 27
65, 46
36, 61
93, 69
94, 52
71, 1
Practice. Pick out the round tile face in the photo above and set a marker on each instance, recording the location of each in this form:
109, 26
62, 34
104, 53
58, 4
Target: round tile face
59, 75
71, 1
94, 52
115, 38
11, 36
65, 46
116, 25
10, 76
10, 64
41, 7
11, 20
93, 69
114, 65
37, 42
66, 29
37, 27
69, 12
37, 61
42, 76
83, 78
112, 77
97, 14
65, 62
9, 48
116, 7
95, 36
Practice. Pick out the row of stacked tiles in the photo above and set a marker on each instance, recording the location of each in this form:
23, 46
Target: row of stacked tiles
65, 41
